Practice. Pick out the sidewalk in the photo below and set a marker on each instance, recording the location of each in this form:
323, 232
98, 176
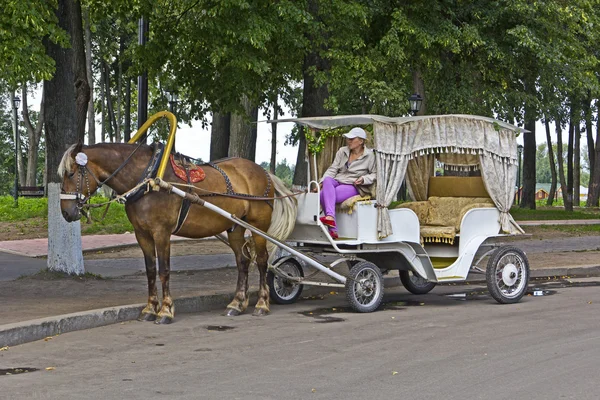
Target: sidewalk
39, 247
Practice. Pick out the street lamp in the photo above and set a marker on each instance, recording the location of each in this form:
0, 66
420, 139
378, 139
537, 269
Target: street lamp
415, 101
519, 153
16, 104
172, 98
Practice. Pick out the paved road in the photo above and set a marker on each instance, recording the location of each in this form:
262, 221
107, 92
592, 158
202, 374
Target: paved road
420, 347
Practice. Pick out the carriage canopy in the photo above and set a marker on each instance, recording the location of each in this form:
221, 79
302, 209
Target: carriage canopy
408, 146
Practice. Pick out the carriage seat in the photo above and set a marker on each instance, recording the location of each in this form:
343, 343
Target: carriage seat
349, 205
450, 197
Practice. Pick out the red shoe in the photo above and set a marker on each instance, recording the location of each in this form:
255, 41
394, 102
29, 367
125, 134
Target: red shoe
328, 221
333, 234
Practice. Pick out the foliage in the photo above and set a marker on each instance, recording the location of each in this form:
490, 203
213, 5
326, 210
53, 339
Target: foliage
23, 25
283, 171
543, 174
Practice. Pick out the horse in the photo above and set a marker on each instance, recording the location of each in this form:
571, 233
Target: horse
236, 185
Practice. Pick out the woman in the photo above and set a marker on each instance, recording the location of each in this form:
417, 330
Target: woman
351, 173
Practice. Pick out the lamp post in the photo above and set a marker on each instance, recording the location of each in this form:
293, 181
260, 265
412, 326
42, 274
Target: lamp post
415, 101
16, 104
519, 154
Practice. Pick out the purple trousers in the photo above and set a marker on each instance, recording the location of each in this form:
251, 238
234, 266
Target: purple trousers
334, 192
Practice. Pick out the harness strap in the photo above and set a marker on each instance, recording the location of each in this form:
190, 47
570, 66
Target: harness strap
184, 209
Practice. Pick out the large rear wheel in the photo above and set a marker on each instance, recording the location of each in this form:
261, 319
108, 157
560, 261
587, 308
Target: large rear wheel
507, 274
364, 287
415, 284
282, 290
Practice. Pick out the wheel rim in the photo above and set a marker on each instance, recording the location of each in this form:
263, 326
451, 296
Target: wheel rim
366, 287
510, 275
285, 288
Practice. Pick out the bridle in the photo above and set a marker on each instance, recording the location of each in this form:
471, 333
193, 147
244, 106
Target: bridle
83, 177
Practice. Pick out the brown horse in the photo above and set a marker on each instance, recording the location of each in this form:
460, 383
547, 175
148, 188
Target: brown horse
156, 214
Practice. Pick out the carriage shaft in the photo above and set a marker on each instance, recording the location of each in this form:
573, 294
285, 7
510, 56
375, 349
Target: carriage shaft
196, 199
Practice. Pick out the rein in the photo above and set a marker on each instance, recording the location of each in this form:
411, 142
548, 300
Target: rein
240, 196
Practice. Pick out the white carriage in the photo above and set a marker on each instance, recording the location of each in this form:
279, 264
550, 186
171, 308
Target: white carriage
440, 236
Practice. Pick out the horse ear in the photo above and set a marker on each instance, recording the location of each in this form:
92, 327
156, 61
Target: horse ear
78, 147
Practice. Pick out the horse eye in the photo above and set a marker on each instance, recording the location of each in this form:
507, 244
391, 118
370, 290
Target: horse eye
71, 174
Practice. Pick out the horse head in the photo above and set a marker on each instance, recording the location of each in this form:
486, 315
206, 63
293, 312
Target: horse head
79, 181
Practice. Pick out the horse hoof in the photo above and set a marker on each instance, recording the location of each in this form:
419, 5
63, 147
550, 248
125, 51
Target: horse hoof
231, 312
260, 312
164, 320
147, 317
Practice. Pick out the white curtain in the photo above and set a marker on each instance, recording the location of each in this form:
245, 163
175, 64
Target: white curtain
391, 168
499, 177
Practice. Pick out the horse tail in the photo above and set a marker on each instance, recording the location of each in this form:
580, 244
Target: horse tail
284, 215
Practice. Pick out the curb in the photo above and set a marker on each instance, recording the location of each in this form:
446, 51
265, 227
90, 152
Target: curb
37, 329
29, 331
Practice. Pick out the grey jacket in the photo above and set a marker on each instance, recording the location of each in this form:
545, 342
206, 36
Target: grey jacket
364, 167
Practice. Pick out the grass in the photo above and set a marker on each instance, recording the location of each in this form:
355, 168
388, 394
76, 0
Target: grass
33, 213
553, 213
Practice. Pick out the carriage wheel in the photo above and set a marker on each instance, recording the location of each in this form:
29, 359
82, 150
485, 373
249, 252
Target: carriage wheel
364, 287
507, 274
415, 284
281, 290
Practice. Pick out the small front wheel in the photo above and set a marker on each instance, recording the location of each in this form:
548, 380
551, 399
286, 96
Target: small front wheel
364, 287
507, 274
415, 284
284, 291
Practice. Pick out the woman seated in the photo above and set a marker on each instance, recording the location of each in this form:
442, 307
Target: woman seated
351, 173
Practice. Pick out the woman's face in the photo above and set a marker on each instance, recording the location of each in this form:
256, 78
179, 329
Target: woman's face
355, 143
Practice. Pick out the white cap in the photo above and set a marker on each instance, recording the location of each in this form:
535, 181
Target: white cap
356, 132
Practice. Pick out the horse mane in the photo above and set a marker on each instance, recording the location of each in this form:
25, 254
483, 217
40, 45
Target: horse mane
66, 162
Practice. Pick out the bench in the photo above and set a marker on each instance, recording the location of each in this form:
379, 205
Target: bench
449, 199
31, 191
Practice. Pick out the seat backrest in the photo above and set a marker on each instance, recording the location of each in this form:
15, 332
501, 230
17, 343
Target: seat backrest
457, 186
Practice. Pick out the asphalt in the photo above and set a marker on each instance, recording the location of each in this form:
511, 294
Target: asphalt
25, 257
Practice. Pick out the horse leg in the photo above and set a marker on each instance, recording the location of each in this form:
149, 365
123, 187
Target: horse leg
147, 245
163, 253
240, 301
262, 257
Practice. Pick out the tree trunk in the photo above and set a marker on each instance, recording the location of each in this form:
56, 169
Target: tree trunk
33, 134
61, 123
109, 105
589, 129
219, 135
273, 163
102, 105
561, 163
552, 193
313, 96
82, 87
569, 203
90, 76
576, 161
242, 140
529, 149
127, 111
119, 89
594, 189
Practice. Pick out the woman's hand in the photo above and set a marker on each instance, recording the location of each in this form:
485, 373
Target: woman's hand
314, 188
359, 181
